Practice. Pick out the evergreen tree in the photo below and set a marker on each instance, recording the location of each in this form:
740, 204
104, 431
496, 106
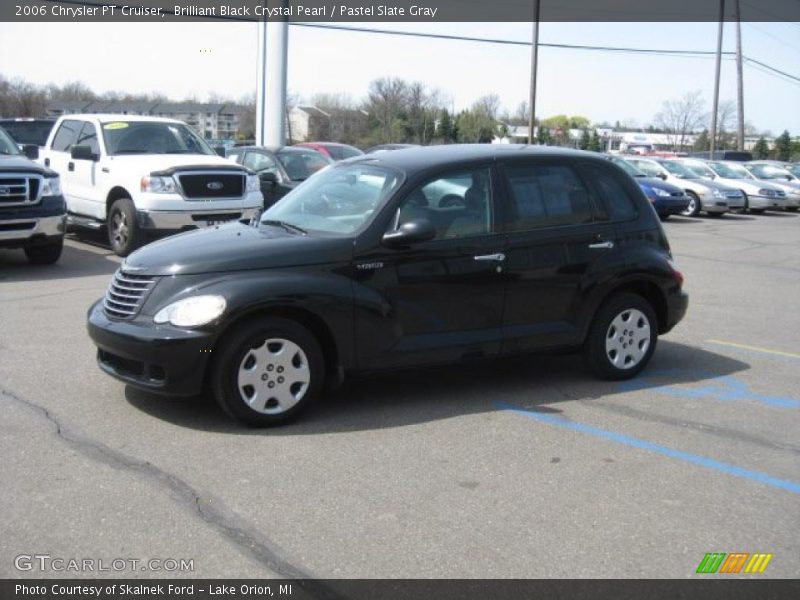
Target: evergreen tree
543, 136
595, 145
783, 146
702, 142
445, 130
761, 149
583, 143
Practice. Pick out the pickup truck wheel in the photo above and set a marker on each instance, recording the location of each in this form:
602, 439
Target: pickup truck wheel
622, 337
267, 371
124, 234
45, 254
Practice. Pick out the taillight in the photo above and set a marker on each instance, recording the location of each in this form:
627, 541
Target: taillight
675, 272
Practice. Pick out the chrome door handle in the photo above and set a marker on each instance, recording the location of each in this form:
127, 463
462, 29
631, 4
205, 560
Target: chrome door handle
599, 245
498, 257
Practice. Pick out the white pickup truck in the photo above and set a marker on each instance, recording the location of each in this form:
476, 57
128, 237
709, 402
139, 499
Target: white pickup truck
139, 175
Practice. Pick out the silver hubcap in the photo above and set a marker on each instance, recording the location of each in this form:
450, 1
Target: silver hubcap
690, 208
274, 376
119, 229
628, 339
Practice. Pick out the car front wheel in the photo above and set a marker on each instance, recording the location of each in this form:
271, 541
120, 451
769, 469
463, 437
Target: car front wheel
693, 207
45, 254
124, 234
622, 337
267, 371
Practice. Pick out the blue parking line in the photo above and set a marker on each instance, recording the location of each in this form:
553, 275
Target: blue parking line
633, 442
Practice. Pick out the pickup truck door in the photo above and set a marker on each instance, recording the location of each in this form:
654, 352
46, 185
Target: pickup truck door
57, 157
86, 176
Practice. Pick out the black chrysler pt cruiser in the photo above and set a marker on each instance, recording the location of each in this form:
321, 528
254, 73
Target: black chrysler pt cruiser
414, 257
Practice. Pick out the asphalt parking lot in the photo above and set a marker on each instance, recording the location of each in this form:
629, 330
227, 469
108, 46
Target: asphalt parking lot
512, 468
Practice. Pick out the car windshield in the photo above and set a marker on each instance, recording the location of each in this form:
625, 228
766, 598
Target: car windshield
678, 170
301, 164
730, 171
700, 170
338, 200
794, 169
770, 172
628, 167
28, 132
7, 145
152, 137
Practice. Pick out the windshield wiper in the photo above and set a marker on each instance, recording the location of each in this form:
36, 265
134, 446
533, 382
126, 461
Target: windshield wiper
287, 226
137, 151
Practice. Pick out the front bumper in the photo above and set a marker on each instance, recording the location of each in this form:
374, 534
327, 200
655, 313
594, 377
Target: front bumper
715, 205
18, 233
766, 203
156, 358
673, 205
191, 219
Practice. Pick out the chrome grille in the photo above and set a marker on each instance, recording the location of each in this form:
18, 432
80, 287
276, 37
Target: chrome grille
19, 189
126, 294
733, 194
208, 185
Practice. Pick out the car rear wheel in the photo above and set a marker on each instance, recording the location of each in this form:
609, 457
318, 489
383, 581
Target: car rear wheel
693, 208
45, 254
124, 234
757, 211
267, 371
622, 337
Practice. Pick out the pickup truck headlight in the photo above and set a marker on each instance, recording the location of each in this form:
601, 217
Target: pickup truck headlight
253, 184
51, 186
159, 185
660, 192
192, 312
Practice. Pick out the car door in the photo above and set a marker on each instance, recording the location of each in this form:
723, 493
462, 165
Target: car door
439, 300
556, 235
87, 175
58, 158
262, 163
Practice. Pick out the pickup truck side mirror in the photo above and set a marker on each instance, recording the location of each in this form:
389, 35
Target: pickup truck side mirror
413, 232
31, 151
83, 153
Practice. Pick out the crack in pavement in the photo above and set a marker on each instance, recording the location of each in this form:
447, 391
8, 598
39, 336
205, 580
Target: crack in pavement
210, 511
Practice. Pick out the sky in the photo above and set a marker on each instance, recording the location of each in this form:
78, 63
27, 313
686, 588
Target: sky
189, 59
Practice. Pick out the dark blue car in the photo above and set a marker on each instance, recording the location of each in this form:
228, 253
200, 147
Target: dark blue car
666, 198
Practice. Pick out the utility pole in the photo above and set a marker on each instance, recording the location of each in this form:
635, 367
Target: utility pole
534, 66
273, 49
739, 82
715, 109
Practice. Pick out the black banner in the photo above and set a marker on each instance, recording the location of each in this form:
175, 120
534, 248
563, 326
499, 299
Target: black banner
337, 11
401, 589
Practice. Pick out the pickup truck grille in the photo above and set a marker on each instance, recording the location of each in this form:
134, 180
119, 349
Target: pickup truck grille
126, 293
19, 189
202, 186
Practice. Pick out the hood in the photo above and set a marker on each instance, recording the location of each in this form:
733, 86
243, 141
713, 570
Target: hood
149, 163
712, 184
791, 187
749, 186
658, 184
236, 247
16, 162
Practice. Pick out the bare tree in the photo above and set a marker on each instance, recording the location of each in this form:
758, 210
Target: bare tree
678, 118
726, 118
385, 103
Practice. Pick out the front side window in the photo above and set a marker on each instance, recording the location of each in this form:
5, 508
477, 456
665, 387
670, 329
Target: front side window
152, 137
339, 200
648, 168
259, 162
679, 170
302, 164
547, 195
88, 137
458, 204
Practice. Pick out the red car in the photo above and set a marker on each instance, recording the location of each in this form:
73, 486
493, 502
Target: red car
333, 150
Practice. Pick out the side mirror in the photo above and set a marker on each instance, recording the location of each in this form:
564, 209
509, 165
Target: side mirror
662, 176
220, 150
413, 232
268, 177
31, 151
83, 153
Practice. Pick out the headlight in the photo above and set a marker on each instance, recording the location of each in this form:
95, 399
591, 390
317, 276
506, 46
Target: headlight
253, 183
51, 186
717, 194
660, 192
159, 185
192, 312
766, 192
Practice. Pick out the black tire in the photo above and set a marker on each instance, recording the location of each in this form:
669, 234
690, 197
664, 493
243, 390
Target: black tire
694, 207
124, 234
595, 353
757, 211
746, 203
45, 254
663, 216
236, 350
792, 208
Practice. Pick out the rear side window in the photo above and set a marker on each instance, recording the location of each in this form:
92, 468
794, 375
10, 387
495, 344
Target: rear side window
547, 196
66, 135
618, 202
88, 137
648, 168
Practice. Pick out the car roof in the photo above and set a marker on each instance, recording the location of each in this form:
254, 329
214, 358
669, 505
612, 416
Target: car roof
121, 118
273, 149
424, 157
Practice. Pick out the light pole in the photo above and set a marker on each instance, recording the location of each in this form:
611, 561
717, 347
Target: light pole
534, 66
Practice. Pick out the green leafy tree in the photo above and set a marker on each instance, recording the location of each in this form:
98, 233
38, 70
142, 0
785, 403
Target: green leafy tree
783, 146
761, 149
702, 143
543, 136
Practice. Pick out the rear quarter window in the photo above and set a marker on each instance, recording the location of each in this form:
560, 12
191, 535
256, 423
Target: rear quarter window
612, 191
